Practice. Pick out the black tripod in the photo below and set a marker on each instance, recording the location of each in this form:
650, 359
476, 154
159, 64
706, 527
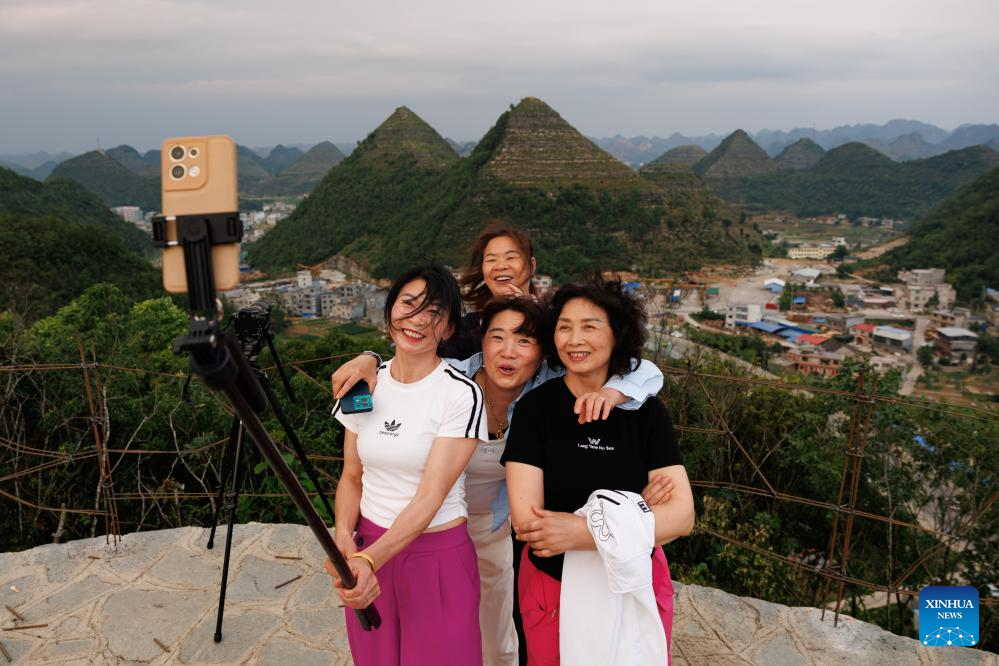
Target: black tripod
252, 326
217, 359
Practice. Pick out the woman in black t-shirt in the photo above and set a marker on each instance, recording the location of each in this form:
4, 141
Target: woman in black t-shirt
553, 463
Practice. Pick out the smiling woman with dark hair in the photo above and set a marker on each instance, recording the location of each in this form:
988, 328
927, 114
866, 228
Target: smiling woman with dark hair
400, 509
554, 467
501, 264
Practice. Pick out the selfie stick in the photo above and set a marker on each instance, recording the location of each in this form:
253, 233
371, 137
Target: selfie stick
216, 358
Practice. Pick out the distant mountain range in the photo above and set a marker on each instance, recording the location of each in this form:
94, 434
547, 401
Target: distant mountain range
405, 195
898, 139
853, 178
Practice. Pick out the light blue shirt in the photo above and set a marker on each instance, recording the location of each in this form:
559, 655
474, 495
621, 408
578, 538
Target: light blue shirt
639, 385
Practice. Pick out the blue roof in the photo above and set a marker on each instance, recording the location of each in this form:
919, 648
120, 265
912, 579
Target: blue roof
819, 320
800, 300
896, 331
760, 326
789, 333
775, 288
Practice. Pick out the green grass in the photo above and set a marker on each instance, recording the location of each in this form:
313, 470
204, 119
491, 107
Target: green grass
353, 329
805, 230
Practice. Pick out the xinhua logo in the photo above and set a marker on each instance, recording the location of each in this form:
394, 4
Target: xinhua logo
948, 615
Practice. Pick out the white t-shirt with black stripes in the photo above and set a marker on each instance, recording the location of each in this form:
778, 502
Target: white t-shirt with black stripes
394, 439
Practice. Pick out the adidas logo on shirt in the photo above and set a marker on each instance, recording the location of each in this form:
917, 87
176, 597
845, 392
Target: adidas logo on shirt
391, 428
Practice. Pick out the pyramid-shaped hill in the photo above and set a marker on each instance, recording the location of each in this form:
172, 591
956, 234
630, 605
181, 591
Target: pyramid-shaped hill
114, 184
688, 155
404, 135
738, 156
249, 167
911, 146
129, 157
853, 156
388, 208
372, 198
672, 177
536, 147
280, 158
316, 161
802, 154
304, 174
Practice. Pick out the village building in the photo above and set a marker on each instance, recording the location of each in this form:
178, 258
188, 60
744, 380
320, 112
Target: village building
955, 343
892, 338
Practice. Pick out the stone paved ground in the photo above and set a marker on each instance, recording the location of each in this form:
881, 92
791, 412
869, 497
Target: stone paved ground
104, 605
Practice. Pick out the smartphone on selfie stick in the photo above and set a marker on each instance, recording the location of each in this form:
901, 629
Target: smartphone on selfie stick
199, 231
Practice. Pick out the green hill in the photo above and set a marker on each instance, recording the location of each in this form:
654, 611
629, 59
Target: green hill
958, 234
737, 156
303, 174
688, 155
406, 134
129, 157
250, 168
66, 201
540, 149
672, 177
802, 154
110, 181
47, 262
858, 180
403, 196
280, 158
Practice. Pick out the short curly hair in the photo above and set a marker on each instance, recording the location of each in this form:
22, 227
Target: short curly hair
624, 314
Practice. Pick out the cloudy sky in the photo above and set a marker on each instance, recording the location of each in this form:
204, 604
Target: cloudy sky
75, 72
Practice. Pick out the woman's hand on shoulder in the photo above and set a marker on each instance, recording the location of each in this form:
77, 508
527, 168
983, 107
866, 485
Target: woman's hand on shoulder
598, 404
363, 367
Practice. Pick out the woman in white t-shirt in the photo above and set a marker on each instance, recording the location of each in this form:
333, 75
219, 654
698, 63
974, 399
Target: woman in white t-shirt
400, 509
510, 365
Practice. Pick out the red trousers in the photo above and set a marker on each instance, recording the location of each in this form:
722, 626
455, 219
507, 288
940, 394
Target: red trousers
538, 594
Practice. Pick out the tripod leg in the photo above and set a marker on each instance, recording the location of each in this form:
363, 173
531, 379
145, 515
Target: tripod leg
310, 469
230, 504
223, 477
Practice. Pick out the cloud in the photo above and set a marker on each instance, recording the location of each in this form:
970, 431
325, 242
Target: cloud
757, 61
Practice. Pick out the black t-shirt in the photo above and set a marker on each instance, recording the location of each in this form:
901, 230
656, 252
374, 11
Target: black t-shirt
466, 340
616, 454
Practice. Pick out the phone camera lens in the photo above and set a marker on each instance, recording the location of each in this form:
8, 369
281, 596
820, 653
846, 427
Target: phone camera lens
177, 172
193, 152
177, 152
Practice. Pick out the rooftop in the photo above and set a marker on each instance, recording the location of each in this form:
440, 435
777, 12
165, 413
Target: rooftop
956, 332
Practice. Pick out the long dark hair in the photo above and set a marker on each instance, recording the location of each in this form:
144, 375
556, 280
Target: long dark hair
473, 287
624, 314
441, 290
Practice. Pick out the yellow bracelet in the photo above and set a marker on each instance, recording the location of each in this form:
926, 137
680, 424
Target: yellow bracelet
366, 557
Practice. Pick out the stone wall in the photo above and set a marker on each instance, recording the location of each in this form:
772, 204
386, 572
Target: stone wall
110, 605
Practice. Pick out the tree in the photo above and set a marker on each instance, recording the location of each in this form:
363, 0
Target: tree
786, 298
840, 253
925, 356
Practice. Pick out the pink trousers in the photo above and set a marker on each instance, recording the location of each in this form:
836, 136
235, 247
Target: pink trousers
429, 603
539, 593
